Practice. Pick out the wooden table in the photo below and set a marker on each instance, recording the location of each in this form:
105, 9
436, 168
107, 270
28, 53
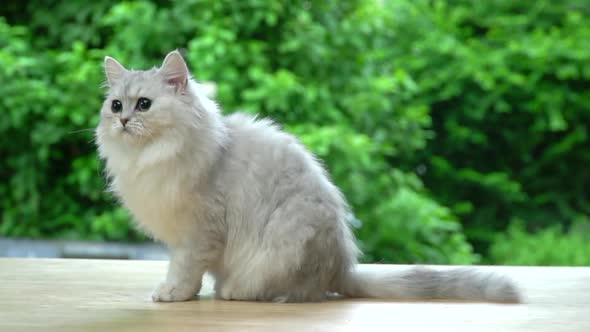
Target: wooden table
102, 295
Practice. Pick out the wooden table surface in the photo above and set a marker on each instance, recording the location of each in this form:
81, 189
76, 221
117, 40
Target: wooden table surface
102, 295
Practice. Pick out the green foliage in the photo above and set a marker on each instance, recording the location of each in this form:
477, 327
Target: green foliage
550, 246
51, 183
506, 83
440, 120
416, 230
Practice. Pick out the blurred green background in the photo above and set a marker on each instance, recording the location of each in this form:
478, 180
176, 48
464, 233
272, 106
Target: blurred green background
458, 130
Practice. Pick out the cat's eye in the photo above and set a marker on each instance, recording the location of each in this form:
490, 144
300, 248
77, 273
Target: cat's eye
116, 106
144, 104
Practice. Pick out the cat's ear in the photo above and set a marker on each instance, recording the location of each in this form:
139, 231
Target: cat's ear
174, 71
113, 70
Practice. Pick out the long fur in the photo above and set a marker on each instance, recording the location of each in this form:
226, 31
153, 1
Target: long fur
243, 200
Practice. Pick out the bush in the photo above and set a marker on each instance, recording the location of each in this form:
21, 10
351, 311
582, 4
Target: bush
51, 183
506, 85
440, 120
549, 246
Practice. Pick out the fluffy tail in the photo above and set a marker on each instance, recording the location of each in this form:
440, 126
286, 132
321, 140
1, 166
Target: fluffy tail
420, 283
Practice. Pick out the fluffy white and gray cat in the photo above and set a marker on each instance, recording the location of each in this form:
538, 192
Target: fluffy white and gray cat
237, 197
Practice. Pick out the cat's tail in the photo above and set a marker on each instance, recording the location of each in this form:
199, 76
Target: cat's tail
420, 283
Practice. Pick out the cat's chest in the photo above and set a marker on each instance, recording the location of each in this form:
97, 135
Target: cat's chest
165, 205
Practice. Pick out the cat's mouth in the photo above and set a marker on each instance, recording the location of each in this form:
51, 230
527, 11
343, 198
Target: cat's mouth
127, 130
130, 133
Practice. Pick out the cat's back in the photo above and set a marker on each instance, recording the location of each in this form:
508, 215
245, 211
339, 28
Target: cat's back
252, 137
262, 156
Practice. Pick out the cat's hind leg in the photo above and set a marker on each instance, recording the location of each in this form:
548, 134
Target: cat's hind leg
299, 257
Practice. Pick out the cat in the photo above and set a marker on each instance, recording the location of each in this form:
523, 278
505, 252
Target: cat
237, 197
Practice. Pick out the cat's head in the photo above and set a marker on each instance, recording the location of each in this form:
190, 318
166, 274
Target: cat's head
141, 106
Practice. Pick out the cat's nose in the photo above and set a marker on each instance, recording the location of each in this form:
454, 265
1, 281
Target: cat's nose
124, 121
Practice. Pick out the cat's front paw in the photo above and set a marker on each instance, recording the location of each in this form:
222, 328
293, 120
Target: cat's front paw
167, 292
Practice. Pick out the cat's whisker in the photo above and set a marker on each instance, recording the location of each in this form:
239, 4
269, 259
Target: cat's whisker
79, 131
